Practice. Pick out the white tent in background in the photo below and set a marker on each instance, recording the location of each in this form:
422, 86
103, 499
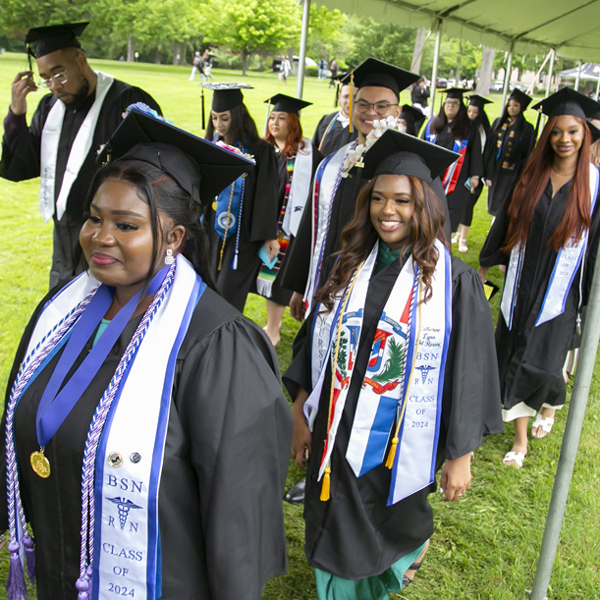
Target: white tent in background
589, 72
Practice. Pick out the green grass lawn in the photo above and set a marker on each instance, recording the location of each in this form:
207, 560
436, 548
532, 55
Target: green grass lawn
486, 545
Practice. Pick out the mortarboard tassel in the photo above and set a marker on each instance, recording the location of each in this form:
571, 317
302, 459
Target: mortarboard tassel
15, 582
537, 125
326, 484
337, 95
30, 557
267, 117
389, 463
203, 112
350, 106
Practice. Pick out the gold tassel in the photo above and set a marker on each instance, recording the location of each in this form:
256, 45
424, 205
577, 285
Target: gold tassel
351, 103
389, 463
325, 486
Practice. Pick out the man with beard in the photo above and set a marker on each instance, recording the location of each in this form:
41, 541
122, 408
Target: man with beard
66, 131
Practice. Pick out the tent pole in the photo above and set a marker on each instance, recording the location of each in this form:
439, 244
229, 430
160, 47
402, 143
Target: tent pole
568, 453
578, 76
550, 71
436, 57
508, 73
303, 37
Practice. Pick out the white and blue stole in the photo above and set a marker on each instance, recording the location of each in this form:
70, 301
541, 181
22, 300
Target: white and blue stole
450, 177
568, 261
77, 155
299, 189
126, 557
404, 379
327, 181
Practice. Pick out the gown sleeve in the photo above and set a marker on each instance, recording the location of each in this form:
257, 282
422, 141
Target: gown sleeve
491, 253
471, 399
265, 209
239, 426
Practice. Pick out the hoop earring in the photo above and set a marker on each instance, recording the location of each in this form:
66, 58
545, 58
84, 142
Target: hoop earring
169, 258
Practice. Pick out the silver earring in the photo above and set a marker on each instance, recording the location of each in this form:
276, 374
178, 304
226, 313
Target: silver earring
169, 258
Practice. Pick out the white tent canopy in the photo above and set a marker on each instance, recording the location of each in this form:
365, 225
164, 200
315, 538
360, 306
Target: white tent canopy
571, 27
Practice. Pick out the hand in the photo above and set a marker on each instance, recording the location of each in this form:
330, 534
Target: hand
456, 477
22, 85
474, 183
488, 182
482, 271
301, 438
297, 308
502, 269
272, 247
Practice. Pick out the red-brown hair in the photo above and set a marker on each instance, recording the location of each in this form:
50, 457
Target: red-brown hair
358, 237
530, 187
294, 141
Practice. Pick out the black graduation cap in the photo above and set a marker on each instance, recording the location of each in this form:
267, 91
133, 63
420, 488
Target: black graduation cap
568, 102
521, 97
594, 131
200, 167
413, 117
287, 104
396, 153
45, 40
376, 73
479, 101
226, 95
456, 93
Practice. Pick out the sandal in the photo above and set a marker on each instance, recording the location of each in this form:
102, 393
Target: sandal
413, 567
454, 239
462, 245
546, 425
514, 459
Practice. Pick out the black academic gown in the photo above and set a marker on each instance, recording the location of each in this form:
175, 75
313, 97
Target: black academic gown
355, 534
259, 223
225, 464
280, 294
21, 160
518, 142
472, 165
530, 358
335, 138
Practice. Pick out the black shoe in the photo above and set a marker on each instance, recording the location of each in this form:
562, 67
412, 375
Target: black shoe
296, 493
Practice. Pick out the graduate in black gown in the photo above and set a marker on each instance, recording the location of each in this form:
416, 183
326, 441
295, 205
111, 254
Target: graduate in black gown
547, 235
378, 86
297, 159
82, 110
507, 150
243, 218
480, 124
333, 130
406, 329
194, 408
452, 129
412, 119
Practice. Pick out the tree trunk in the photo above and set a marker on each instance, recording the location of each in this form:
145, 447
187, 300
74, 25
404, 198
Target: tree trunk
157, 56
415, 65
457, 73
485, 71
130, 49
244, 62
175, 52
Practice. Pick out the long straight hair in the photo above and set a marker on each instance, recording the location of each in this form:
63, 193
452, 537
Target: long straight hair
460, 125
530, 187
294, 141
359, 236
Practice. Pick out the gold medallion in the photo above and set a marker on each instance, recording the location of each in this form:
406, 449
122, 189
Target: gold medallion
40, 464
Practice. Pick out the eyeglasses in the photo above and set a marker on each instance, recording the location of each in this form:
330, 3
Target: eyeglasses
381, 108
452, 102
59, 78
